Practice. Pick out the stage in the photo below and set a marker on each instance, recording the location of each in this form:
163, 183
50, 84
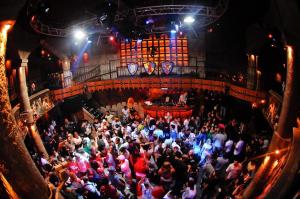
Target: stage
157, 111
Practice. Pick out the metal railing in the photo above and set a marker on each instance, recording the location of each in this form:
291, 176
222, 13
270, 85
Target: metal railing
195, 69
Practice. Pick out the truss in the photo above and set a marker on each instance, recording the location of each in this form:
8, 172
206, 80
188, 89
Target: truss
177, 10
205, 16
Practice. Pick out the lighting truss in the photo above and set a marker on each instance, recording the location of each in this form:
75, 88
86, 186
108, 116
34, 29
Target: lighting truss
194, 10
205, 16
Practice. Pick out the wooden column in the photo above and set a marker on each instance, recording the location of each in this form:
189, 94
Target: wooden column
18, 167
252, 74
33, 132
282, 137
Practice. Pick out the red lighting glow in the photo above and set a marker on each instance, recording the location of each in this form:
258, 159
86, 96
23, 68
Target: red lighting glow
267, 158
111, 38
262, 101
277, 152
270, 36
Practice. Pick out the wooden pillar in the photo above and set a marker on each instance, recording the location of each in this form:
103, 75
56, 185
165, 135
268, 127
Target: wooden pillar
18, 167
282, 137
33, 132
252, 74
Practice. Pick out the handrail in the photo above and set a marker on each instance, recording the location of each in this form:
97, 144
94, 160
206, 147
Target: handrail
40, 96
160, 82
280, 187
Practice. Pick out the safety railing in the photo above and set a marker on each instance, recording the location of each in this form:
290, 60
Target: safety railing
184, 83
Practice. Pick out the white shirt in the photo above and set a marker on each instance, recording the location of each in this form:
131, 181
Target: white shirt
77, 141
158, 133
125, 112
233, 170
219, 140
238, 147
146, 193
228, 146
188, 193
125, 168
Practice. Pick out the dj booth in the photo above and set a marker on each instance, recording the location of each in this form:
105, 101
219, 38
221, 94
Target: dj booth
157, 111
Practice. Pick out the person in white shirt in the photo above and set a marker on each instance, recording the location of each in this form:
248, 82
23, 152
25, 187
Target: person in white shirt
238, 148
125, 113
77, 139
146, 188
108, 116
158, 132
206, 150
233, 170
190, 191
186, 123
124, 165
228, 145
90, 187
44, 161
219, 140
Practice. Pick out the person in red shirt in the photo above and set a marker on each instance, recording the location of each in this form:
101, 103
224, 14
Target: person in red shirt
72, 166
141, 167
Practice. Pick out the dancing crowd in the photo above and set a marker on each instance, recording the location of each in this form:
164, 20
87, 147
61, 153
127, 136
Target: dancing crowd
123, 156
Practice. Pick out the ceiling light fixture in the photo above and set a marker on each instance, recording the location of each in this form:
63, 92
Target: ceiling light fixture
79, 34
189, 19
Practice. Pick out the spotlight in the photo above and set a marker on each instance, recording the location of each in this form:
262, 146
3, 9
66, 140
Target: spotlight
139, 41
189, 20
79, 34
111, 38
262, 101
149, 21
89, 41
254, 105
277, 152
173, 31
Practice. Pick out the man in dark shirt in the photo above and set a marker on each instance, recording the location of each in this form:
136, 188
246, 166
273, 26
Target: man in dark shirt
181, 174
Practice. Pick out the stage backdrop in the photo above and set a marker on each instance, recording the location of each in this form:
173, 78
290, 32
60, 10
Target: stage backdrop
155, 50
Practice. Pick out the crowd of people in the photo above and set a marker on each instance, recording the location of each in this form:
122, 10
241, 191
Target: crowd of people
132, 157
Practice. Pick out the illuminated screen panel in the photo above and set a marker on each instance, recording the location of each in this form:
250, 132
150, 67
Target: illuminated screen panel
155, 50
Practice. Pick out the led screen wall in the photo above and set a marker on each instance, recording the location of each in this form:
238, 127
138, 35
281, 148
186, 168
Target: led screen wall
155, 50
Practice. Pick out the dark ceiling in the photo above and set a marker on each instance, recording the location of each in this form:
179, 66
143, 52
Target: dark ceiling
62, 13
